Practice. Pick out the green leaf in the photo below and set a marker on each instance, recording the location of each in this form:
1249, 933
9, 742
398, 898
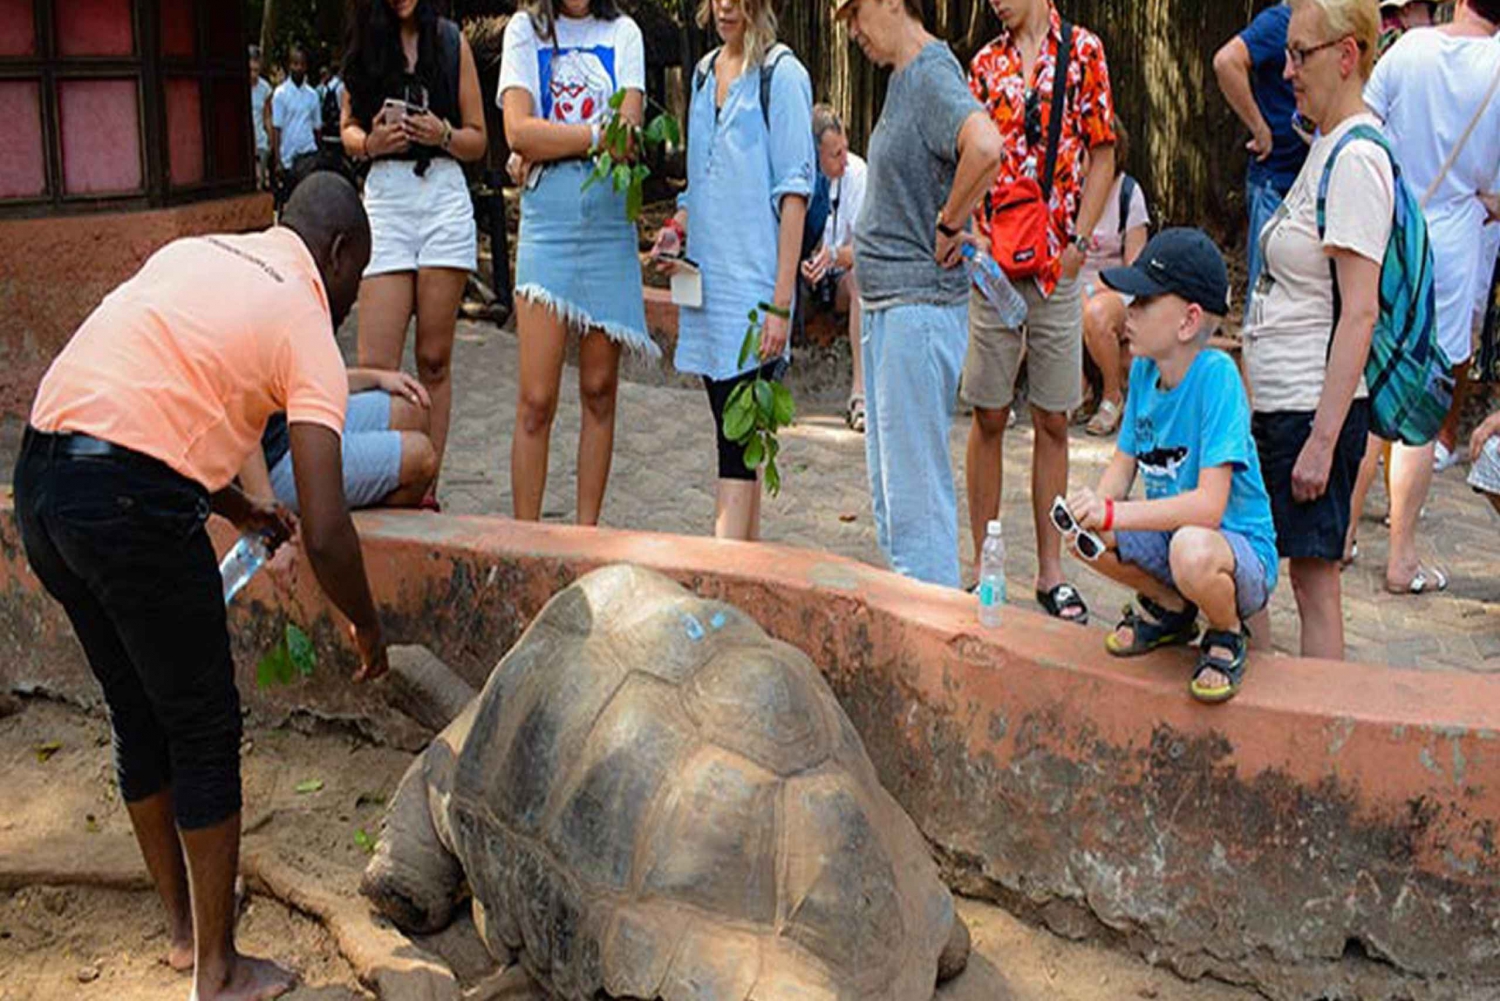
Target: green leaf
773, 447
364, 841
751, 345
617, 99
765, 401
656, 130
673, 129
755, 452
45, 751
622, 178
311, 785
300, 650
641, 173
739, 416
784, 406
773, 478
275, 668
635, 196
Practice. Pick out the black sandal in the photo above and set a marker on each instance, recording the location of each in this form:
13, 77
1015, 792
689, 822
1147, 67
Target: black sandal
1062, 598
1163, 629
1233, 668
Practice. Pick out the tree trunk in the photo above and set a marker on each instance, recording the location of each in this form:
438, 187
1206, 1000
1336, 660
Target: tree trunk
267, 31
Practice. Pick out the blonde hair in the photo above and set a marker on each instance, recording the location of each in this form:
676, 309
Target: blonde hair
1356, 19
760, 26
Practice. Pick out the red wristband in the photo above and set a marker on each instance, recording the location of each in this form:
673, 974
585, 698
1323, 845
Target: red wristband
1109, 515
675, 227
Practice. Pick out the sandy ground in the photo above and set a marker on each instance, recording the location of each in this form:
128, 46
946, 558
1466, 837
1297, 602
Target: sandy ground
77, 919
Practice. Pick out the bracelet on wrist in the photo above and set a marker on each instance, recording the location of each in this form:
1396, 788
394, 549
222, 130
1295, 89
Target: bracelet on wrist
949, 231
447, 135
593, 136
1109, 515
785, 312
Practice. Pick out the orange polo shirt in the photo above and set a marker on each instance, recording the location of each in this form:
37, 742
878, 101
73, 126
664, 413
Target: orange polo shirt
187, 360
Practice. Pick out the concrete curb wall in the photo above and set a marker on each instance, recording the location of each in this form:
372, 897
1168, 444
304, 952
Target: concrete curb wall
1332, 832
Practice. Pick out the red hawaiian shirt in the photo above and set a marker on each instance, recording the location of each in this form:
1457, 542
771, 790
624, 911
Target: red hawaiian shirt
996, 79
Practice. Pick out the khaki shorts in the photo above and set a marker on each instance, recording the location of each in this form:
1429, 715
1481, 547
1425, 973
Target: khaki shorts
1051, 340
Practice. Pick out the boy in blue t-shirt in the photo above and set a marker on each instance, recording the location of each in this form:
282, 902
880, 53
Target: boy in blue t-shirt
1203, 538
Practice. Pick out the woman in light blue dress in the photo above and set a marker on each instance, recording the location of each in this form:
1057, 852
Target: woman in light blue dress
577, 265
750, 174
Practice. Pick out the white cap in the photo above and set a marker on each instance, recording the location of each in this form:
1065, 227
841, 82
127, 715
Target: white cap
993, 528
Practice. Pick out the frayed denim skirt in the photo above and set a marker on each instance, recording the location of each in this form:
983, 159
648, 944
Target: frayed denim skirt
579, 255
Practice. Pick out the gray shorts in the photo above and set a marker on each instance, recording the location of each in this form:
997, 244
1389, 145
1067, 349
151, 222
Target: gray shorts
1051, 340
372, 455
1151, 552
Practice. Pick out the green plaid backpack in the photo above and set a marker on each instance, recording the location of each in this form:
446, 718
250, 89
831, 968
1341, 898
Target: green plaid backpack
1409, 377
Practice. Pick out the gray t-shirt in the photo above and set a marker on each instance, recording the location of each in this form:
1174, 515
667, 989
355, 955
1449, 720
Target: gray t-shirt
913, 156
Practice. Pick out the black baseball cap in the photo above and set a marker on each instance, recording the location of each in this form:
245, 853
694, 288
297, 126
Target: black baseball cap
1181, 261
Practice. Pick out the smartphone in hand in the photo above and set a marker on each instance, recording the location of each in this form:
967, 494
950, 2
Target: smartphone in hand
393, 110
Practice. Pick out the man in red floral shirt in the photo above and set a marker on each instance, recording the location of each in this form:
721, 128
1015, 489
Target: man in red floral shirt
1013, 77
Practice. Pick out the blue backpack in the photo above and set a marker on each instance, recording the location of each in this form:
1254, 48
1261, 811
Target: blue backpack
1409, 377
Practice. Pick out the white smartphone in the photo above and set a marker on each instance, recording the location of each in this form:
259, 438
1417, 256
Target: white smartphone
393, 110
687, 284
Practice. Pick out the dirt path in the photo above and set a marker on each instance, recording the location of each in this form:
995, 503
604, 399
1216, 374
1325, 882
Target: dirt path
77, 919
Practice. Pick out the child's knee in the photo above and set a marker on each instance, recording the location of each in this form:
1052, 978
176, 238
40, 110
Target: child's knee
1197, 556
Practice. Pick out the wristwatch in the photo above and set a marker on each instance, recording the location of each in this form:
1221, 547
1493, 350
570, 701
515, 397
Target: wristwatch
593, 136
1081, 242
949, 231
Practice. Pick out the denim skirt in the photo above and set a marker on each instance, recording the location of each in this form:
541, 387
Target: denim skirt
579, 256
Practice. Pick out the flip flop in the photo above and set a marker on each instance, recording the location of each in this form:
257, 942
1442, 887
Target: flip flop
1062, 598
1421, 583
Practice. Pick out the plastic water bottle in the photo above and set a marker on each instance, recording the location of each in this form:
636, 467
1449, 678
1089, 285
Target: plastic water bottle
991, 576
240, 563
990, 279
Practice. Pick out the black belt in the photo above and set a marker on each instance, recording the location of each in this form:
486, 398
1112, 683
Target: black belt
73, 445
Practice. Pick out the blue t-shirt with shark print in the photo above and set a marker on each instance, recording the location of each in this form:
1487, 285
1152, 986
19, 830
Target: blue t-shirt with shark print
1202, 422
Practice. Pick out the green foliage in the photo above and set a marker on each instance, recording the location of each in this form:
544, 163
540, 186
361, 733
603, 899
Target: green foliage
363, 841
621, 145
292, 657
759, 408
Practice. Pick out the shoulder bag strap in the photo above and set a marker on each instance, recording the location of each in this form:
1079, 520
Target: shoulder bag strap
1059, 99
1463, 139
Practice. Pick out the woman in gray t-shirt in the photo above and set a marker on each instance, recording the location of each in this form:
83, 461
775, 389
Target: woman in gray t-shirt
933, 154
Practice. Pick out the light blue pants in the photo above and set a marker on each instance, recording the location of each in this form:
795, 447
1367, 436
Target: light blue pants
913, 357
1262, 198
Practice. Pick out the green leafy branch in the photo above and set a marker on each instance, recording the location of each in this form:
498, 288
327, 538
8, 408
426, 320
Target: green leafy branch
758, 408
617, 160
292, 657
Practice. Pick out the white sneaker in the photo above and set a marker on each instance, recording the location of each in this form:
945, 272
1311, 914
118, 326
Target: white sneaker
1443, 459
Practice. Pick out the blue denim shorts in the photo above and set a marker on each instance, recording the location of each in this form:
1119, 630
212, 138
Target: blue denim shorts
1151, 552
372, 455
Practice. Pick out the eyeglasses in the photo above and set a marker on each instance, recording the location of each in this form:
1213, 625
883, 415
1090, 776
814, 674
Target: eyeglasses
1298, 56
1089, 545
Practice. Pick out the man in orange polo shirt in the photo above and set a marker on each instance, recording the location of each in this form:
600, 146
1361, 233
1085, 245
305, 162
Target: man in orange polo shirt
136, 434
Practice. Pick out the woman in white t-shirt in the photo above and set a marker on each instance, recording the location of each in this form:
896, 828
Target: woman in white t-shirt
1431, 86
1117, 241
1305, 367
577, 267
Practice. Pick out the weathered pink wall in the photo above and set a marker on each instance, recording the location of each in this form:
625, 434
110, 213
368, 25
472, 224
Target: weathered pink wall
54, 271
22, 170
94, 27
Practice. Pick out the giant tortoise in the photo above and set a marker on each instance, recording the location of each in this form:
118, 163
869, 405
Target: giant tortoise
653, 799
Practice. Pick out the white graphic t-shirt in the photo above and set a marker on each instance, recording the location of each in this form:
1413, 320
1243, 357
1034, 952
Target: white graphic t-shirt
572, 77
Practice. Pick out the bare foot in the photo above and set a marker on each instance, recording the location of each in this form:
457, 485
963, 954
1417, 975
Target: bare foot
180, 955
250, 979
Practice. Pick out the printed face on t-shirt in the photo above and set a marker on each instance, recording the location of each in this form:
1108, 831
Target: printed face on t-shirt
579, 83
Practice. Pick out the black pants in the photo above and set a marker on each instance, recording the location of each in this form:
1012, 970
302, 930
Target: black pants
120, 542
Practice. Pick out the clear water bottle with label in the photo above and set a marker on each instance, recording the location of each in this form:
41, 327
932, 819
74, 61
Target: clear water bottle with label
247, 556
989, 278
991, 576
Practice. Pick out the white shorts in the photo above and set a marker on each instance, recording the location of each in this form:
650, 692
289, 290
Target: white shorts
419, 222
